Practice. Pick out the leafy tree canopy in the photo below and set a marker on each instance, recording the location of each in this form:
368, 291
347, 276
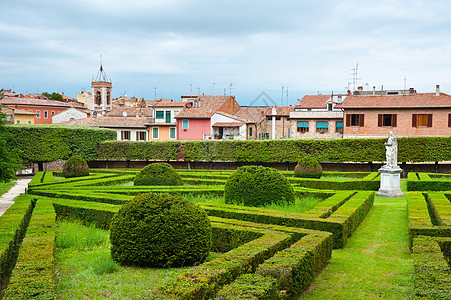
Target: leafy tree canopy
54, 96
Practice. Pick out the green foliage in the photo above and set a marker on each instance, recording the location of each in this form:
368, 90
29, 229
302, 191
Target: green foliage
158, 174
432, 278
416, 149
160, 230
72, 235
9, 158
75, 166
257, 186
308, 167
45, 143
106, 267
250, 286
54, 96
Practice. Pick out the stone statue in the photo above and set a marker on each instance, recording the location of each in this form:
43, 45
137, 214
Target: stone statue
391, 153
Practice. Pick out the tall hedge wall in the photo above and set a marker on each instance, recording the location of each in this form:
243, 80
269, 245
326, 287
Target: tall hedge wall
45, 143
423, 149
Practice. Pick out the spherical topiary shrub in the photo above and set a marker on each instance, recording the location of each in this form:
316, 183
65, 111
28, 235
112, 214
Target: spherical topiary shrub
75, 166
257, 186
308, 167
160, 230
158, 174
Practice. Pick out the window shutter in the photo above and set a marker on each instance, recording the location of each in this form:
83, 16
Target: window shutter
449, 120
122, 135
394, 120
362, 120
137, 136
348, 120
379, 120
414, 120
429, 124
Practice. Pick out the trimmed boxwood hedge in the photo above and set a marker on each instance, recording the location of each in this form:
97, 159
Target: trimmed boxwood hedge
158, 174
46, 143
415, 149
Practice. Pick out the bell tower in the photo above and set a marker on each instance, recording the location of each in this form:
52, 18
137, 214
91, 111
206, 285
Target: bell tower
101, 87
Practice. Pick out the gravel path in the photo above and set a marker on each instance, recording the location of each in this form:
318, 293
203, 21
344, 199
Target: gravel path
7, 199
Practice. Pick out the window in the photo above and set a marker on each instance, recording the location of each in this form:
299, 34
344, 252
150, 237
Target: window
339, 126
38, 114
302, 126
268, 117
421, 120
155, 132
322, 126
159, 114
355, 120
185, 124
263, 136
250, 131
386, 120
125, 135
141, 135
108, 98
330, 106
53, 113
46, 114
278, 118
449, 120
98, 98
172, 133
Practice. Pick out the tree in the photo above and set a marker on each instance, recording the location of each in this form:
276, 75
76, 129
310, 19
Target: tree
9, 160
54, 96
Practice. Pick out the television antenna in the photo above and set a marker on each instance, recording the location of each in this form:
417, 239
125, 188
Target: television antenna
355, 78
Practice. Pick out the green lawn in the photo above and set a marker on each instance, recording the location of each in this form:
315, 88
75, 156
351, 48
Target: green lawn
5, 186
376, 262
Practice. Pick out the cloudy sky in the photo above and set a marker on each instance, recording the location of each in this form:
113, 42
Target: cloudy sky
169, 48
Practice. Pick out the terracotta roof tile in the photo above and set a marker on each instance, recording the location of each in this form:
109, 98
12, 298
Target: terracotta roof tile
109, 122
169, 104
33, 102
118, 111
209, 104
252, 114
418, 100
314, 101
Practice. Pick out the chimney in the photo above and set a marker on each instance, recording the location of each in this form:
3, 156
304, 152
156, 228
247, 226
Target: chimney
437, 90
374, 90
360, 88
411, 91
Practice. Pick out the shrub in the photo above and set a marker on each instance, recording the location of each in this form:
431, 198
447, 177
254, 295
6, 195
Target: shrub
257, 186
308, 167
158, 174
75, 166
160, 230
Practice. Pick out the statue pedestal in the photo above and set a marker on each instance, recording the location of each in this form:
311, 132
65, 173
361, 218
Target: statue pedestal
390, 182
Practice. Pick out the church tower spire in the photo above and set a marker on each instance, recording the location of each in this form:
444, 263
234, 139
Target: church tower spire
101, 87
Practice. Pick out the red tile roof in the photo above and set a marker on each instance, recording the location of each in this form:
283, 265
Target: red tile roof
209, 104
109, 122
169, 104
118, 111
314, 101
252, 114
33, 102
418, 100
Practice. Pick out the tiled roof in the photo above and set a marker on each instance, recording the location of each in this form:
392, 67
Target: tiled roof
418, 100
209, 104
252, 114
234, 117
33, 102
314, 101
169, 104
228, 124
118, 111
283, 110
109, 122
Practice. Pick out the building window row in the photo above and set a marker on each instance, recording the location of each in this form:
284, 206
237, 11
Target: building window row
321, 126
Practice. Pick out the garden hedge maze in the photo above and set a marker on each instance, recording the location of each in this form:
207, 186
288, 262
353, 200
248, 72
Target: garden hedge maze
430, 233
265, 254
